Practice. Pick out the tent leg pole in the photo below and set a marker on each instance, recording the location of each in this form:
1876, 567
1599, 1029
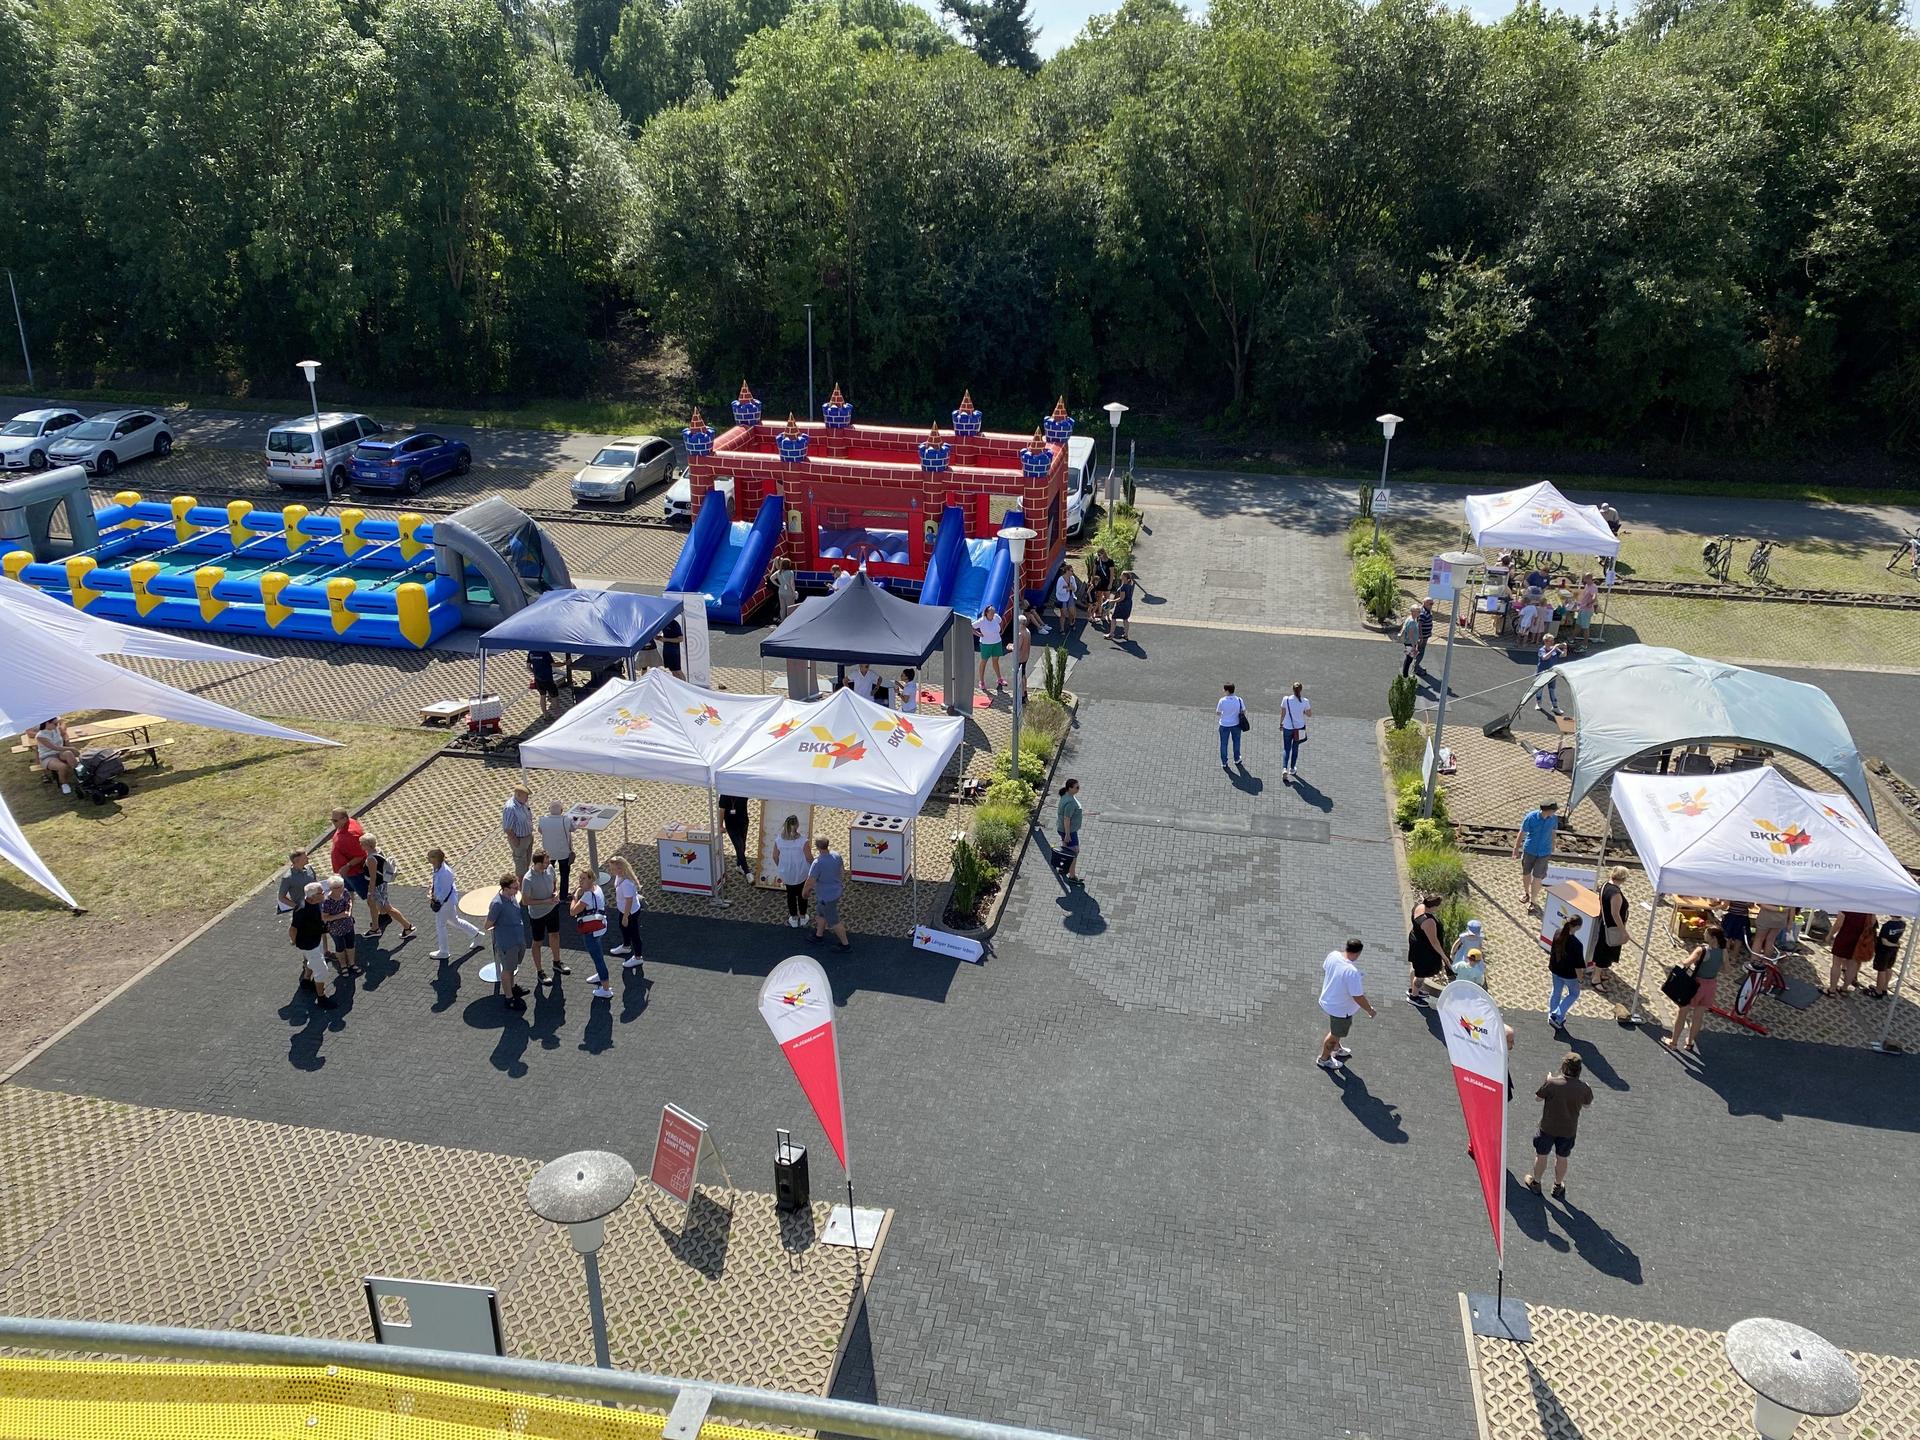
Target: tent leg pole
1639, 981
1906, 958
1606, 834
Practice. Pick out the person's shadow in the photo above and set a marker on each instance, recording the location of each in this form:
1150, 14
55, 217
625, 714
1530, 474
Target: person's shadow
1596, 1244
381, 965
446, 984
1596, 1063
633, 994
549, 1014
1081, 912
1245, 781
1529, 1212
1305, 790
311, 1024
597, 1037
1380, 1117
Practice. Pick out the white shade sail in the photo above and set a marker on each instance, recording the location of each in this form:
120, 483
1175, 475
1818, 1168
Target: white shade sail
1539, 518
844, 752
653, 728
109, 637
1755, 835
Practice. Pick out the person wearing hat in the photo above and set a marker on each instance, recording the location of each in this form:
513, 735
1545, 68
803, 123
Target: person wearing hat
1472, 966
1471, 938
1533, 848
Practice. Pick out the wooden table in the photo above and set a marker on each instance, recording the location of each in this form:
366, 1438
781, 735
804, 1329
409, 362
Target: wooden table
475, 903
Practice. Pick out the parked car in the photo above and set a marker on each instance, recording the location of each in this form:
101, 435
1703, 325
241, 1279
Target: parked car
1082, 481
624, 468
106, 442
407, 462
294, 462
678, 504
25, 438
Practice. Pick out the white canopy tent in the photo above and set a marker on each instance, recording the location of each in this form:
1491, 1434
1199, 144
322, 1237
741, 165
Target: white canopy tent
54, 666
1539, 517
1755, 835
845, 752
653, 728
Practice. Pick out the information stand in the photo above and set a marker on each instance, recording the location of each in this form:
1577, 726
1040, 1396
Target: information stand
689, 860
880, 849
682, 1143
1568, 893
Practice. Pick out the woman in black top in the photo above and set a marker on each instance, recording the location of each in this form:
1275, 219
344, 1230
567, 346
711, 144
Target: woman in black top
1425, 958
1613, 918
1565, 959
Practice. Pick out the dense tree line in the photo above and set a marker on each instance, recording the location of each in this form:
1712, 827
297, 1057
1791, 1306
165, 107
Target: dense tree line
1702, 219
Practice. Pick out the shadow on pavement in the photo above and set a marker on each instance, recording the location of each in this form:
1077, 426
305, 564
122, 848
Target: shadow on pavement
1380, 1117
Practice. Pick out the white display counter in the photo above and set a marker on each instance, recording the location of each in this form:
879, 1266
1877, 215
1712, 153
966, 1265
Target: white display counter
689, 860
880, 849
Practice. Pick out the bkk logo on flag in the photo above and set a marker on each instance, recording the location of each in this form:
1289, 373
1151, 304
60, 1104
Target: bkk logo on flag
797, 1003
1477, 1046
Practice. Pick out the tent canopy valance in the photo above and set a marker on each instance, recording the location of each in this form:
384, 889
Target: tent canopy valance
609, 624
862, 621
1539, 517
843, 752
654, 728
1755, 835
1640, 699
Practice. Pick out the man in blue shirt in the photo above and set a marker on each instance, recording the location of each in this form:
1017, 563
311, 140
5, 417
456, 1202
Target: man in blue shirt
1533, 848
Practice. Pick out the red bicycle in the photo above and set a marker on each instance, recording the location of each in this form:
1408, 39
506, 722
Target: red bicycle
1763, 977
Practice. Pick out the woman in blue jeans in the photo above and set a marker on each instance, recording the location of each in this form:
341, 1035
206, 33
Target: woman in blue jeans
1565, 959
590, 919
1231, 710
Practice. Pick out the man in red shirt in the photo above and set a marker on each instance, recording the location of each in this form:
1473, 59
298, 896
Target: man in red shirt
349, 857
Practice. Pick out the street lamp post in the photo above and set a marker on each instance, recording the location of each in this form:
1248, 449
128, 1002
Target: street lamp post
22, 327
1388, 424
1456, 560
580, 1191
1017, 537
1114, 411
810, 362
311, 368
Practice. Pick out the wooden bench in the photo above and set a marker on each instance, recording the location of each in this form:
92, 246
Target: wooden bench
444, 712
151, 750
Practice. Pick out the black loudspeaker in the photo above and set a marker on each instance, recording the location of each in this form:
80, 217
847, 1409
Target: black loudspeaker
791, 1190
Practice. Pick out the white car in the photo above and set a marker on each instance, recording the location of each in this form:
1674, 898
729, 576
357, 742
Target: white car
1082, 452
623, 469
106, 442
679, 502
24, 440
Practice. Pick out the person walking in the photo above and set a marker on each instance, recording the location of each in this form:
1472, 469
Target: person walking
589, 909
626, 905
336, 908
556, 838
1610, 933
1704, 965
1533, 848
348, 857
541, 895
307, 930
1562, 1097
992, 645
1231, 711
735, 816
786, 586
294, 881
516, 823
443, 898
1426, 957
1066, 819
1294, 710
791, 857
1120, 609
1566, 958
826, 878
1099, 583
1551, 653
380, 872
1063, 599
1423, 619
1343, 993
1409, 641
507, 924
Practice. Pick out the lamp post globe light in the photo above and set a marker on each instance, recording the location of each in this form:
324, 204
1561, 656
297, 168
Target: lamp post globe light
580, 1191
1792, 1372
1017, 537
1388, 424
311, 369
1114, 411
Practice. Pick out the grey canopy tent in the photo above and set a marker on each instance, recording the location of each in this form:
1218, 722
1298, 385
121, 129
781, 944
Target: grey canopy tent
862, 621
1640, 699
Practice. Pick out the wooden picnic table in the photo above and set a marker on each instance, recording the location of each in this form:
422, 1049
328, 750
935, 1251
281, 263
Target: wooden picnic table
137, 728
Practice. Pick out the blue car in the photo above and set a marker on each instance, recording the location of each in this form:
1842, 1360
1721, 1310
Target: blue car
407, 462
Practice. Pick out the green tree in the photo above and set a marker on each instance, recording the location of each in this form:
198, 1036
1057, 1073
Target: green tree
1001, 32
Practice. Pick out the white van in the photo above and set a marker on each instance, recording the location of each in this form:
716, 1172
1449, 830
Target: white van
292, 460
1081, 480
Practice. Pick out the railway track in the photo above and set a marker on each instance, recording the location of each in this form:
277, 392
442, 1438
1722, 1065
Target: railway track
1781, 595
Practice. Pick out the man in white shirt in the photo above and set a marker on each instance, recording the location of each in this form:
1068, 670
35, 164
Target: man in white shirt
1063, 598
1231, 710
906, 695
841, 579
1294, 711
863, 677
443, 898
516, 823
1343, 991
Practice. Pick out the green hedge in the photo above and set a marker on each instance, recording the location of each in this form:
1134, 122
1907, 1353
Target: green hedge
1117, 535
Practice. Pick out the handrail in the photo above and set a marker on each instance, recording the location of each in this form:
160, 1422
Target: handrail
741, 1402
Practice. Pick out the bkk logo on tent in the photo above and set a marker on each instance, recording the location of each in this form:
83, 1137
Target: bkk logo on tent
1834, 815
898, 732
1548, 516
625, 722
830, 753
705, 715
1782, 842
1692, 805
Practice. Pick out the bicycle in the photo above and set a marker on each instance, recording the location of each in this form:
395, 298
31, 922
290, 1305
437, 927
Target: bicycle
1716, 556
1763, 977
1909, 550
1760, 562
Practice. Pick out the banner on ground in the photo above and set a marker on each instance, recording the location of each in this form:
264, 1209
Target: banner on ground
797, 1003
677, 1151
1477, 1046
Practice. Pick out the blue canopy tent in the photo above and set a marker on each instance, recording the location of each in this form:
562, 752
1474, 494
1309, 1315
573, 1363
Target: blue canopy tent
594, 624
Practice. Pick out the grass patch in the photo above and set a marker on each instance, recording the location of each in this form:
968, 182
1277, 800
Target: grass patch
1744, 630
1811, 564
217, 819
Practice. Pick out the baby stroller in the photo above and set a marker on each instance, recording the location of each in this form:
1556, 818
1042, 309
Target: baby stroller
96, 775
